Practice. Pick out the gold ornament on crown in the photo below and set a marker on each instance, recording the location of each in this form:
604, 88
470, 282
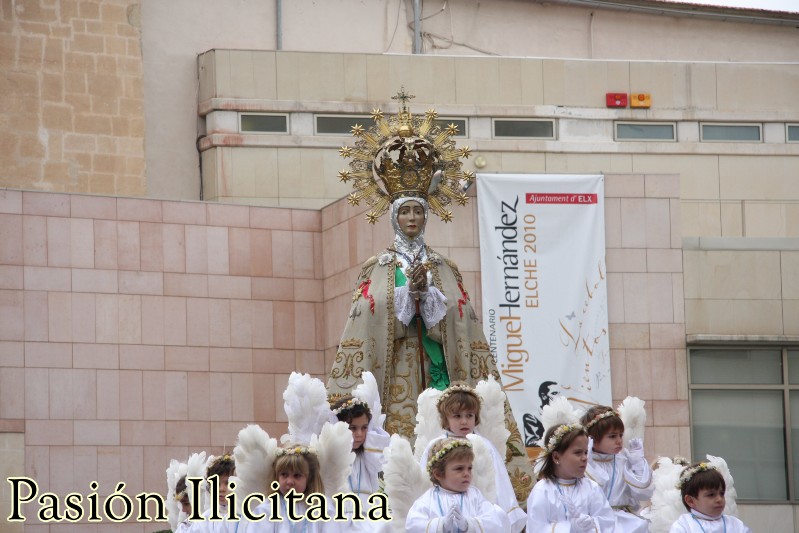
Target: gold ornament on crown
406, 155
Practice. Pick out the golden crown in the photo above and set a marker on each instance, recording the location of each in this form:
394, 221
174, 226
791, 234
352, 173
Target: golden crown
405, 155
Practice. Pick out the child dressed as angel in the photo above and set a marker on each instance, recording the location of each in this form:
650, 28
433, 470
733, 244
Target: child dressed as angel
453, 505
459, 412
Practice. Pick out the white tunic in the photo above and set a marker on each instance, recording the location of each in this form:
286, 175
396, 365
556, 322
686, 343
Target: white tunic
187, 526
625, 481
696, 522
363, 481
506, 498
547, 513
285, 525
368, 464
215, 526
428, 512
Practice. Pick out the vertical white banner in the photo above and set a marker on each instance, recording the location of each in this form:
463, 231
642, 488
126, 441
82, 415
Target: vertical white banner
542, 255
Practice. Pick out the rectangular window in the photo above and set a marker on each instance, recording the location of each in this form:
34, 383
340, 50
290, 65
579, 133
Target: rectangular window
645, 131
461, 123
517, 128
731, 132
792, 133
263, 123
745, 408
340, 124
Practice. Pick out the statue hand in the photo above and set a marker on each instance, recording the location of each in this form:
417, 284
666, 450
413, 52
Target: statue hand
418, 278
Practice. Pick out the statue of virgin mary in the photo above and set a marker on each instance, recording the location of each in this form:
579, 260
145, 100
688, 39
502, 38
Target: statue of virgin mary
411, 322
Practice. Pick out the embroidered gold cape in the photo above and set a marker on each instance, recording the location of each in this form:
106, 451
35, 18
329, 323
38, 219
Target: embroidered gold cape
376, 341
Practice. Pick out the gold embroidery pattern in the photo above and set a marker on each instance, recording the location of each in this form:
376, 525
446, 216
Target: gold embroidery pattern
480, 345
522, 484
350, 365
390, 320
351, 343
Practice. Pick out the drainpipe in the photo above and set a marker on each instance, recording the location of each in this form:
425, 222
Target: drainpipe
279, 24
417, 29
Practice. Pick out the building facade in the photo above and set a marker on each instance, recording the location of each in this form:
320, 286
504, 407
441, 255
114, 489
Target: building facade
174, 241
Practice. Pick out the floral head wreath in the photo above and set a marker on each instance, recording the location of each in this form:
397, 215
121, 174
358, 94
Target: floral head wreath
457, 388
557, 436
599, 417
349, 404
688, 473
296, 450
448, 447
219, 459
179, 496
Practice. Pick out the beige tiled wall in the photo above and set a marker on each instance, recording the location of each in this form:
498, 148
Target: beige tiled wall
742, 292
133, 331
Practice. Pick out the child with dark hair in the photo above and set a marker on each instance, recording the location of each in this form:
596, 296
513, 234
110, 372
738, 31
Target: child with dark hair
622, 473
453, 505
702, 489
564, 500
459, 409
223, 467
182, 497
368, 441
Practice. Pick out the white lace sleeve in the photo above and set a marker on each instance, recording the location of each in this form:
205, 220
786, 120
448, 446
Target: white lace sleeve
434, 307
404, 304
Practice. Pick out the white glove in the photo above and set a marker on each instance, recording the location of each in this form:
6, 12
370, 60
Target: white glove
583, 524
449, 520
460, 521
636, 449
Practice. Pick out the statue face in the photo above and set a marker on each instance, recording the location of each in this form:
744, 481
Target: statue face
410, 218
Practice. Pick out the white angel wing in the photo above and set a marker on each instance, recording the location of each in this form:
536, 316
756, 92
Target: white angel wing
492, 415
405, 480
731, 508
334, 450
666, 504
633, 415
307, 409
368, 392
255, 460
428, 422
195, 467
174, 472
483, 475
559, 411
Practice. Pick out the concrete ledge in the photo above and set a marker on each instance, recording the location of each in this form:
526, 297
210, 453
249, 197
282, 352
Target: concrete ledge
702, 339
740, 243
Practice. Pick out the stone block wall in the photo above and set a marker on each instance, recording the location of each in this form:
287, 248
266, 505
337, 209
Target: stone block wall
73, 103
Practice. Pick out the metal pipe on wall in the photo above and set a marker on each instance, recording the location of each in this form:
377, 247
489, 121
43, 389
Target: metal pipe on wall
417, 28
279, 24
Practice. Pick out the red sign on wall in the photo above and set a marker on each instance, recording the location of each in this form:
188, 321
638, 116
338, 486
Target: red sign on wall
559, 198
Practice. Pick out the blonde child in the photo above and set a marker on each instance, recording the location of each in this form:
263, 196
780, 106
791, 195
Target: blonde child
702, 489
453, 505
296, 468
459, 414
368, 442
623, 474
563, 500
